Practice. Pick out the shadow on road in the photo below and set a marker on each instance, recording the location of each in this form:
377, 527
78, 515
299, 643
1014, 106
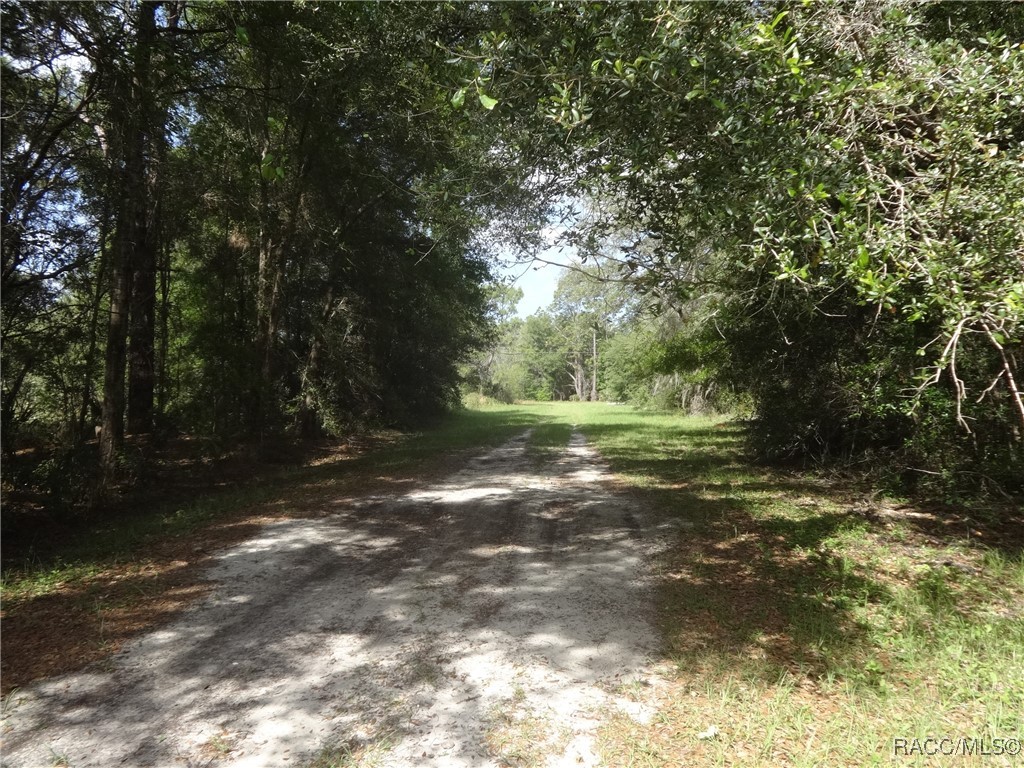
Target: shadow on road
411, 617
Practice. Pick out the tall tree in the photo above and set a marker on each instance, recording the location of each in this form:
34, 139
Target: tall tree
849, 179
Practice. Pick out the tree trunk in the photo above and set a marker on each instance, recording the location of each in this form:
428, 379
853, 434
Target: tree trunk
112, 434
579, 378
130, 118
164, 268
142, 332
308, 417
273, 257
84, 430
593, 381
266, 327
265, 276
7, 409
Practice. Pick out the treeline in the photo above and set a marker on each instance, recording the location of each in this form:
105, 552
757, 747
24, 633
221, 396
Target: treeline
248, 218
599, 339
827, 198
240, 219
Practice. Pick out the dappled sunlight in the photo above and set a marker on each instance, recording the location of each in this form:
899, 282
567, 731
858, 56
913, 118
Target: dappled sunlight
458, 495
422, 611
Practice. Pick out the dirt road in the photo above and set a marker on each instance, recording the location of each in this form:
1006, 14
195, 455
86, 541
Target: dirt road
499, 615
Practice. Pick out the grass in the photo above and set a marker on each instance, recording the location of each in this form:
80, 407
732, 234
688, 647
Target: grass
808, 622
808, 625
520, 738
218, 746
353, 754
547, 439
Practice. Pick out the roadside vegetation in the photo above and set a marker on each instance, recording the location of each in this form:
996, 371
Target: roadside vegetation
249, 249
807, 619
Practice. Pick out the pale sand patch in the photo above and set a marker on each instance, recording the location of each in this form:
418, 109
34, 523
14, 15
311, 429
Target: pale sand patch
499, 610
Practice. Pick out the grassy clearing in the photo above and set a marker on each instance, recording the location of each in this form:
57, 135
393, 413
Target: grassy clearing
810, 624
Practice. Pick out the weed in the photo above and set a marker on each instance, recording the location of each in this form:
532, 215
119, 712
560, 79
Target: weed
518, 738
219, 744
9, 702
353, 753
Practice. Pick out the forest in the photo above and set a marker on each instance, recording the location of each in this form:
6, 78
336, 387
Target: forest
263, 221
290, 478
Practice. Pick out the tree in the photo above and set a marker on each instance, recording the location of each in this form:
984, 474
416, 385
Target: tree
276, 211
846, 179
44, 101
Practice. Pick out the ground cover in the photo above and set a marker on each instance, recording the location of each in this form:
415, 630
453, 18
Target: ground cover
805, 620
810, 620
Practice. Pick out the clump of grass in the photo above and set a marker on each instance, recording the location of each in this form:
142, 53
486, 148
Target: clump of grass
353, 753
219, 745
519, 738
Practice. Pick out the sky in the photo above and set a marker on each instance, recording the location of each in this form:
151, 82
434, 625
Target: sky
537, 282
539, 279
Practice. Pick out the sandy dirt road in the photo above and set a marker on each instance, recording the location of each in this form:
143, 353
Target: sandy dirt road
498, 615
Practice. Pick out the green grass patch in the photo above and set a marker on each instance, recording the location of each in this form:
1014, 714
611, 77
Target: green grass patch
547, 441
809, 623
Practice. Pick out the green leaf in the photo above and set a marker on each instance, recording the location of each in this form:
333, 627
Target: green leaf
242, 35
459, 98
269, 169
486, 101
777, 19
863, 257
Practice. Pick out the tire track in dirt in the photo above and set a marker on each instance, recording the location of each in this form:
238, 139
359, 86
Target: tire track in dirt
493, 614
